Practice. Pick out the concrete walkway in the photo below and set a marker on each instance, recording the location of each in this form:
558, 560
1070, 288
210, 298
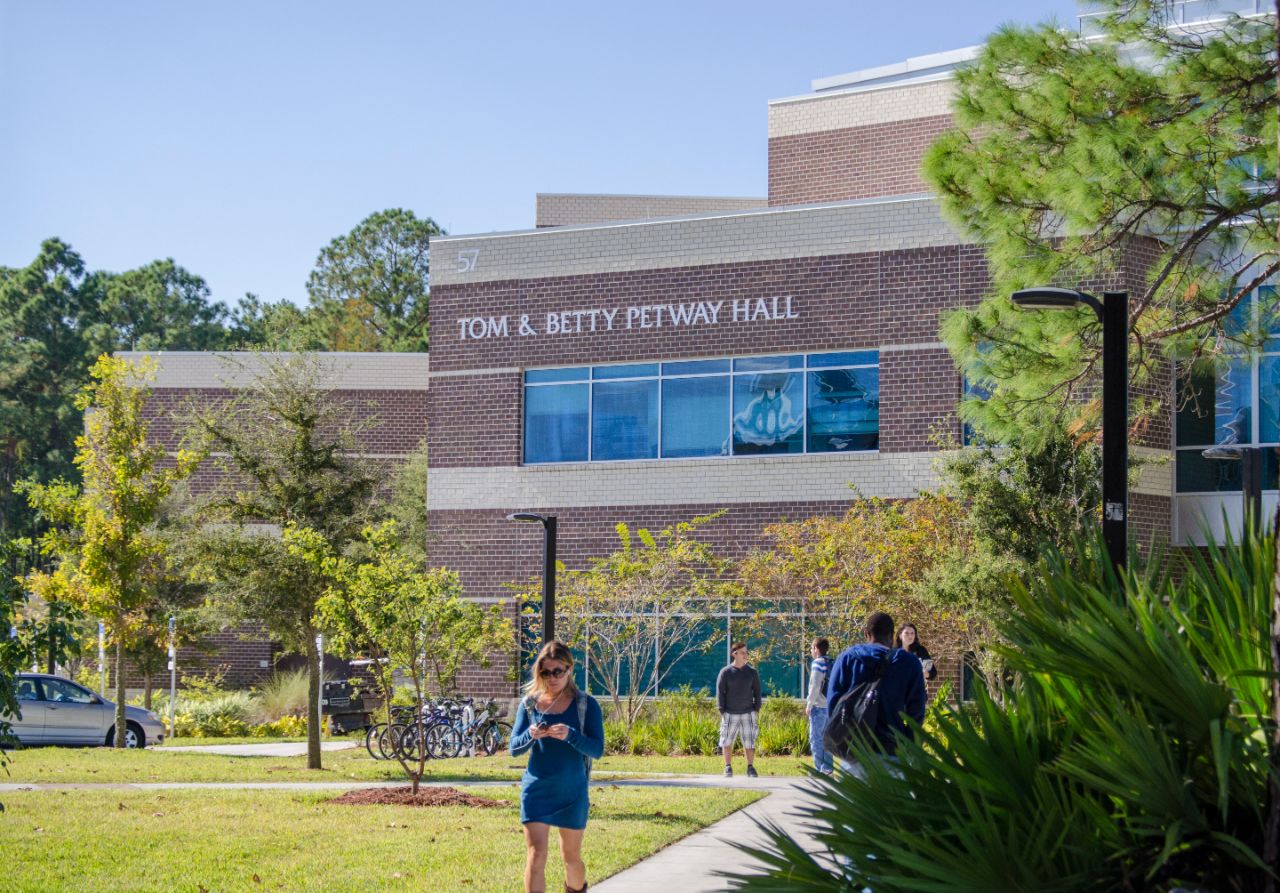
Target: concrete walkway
692, 865
265, 749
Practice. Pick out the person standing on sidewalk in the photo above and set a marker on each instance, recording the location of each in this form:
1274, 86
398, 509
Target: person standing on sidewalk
815, 706
738, 699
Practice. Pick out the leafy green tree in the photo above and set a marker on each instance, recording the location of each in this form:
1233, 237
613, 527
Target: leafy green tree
287, 452
160, 306
1076, 162
56, 318
369, 287
407, 505
639, 610
102, 531
45, 310
1134, 751
278, 326
51, 632
383, 606
875, 557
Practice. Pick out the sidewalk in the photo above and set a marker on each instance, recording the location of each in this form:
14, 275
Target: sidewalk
696, 860
265, 749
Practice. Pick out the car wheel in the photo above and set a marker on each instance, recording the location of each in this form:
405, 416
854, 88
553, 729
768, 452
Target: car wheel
134, 737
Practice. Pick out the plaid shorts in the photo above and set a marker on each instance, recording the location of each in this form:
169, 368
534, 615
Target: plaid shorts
739, 725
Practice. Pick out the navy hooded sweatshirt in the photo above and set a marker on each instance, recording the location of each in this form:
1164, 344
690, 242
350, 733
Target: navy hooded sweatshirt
901, 688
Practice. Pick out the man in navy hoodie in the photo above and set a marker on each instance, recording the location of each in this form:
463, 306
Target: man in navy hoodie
901, 688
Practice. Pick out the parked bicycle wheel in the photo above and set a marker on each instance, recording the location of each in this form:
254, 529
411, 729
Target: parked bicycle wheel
371, 740
495, 738
443, 740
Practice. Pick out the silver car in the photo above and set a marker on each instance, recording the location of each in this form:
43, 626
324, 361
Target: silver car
59, 711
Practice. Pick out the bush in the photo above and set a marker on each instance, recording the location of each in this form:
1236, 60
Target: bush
1132, 750
283, 695
225, 715
284, 727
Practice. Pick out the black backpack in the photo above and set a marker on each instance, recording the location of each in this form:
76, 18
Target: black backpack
854, 716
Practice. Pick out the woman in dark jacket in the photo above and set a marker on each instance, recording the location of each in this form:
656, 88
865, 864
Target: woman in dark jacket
910, 640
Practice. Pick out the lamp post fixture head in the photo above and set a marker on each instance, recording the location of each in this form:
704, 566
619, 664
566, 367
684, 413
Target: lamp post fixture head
526, 516
1049, 298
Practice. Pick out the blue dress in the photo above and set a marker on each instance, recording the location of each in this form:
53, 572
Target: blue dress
554, 787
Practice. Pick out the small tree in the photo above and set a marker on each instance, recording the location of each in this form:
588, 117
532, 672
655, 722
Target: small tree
382, 606
872, 558
287, 450
641, 609
103, 532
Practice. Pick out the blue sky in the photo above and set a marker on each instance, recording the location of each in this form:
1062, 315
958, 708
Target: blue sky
238, 138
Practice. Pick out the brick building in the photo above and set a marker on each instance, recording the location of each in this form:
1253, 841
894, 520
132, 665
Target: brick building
651, 358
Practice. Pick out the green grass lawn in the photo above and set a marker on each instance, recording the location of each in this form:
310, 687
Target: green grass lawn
105, 764
255, 840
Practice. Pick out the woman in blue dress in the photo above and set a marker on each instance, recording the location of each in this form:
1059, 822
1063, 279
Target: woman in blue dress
563, 730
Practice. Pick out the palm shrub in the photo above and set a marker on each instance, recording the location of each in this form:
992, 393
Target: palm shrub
1130, 752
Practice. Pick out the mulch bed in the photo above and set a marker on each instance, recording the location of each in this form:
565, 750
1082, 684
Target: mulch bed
426, 796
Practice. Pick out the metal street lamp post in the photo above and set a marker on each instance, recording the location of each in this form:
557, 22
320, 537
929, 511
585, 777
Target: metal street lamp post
548, 523
1113, 312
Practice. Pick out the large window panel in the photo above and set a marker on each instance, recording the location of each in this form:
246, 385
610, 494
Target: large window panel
695, 417
1269, 399
1217, 408
844, 410
624, 420
768, 413
555, 423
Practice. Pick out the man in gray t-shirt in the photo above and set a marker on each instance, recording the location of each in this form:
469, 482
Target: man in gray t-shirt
738, 699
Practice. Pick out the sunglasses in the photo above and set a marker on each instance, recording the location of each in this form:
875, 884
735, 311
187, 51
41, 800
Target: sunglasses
553, 674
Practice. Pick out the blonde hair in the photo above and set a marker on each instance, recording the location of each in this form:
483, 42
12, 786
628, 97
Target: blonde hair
553, 650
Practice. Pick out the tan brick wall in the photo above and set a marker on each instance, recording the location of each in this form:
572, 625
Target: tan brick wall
568, 209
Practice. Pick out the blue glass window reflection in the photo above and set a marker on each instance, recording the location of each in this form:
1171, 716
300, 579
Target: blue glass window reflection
1233, 405
1269, 399
555, 423
768, 413
759, 364
695, 417
624, 420
844, 410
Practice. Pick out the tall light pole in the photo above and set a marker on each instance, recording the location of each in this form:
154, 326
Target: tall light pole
1113, 312
548, 523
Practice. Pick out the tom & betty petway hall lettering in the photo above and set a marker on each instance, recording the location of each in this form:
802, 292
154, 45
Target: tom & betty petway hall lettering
639, 316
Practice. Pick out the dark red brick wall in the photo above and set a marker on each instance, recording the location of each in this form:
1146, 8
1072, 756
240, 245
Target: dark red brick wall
846, 301
853, 162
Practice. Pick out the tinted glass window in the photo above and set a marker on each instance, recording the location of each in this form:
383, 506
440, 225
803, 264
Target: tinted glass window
848, 358
758, 364
768, 413
695, 417
545, 376
635, 370
60, 690
624, 420
844, 410
555, 423
695, 367
27, 690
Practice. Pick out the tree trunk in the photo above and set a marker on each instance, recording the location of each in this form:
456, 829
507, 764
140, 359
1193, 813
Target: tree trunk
146, 690
121, 725
313, 703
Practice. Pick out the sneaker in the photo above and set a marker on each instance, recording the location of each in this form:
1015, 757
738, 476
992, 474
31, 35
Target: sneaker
728, 772
751, 771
